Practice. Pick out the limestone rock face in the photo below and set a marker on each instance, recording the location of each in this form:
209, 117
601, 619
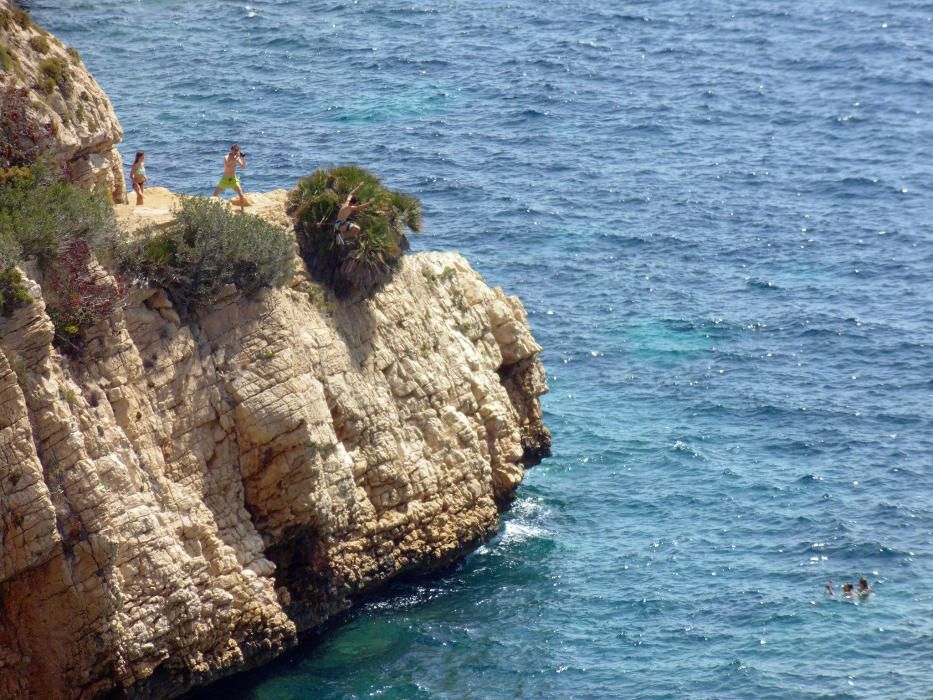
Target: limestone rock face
191, 493
64, 93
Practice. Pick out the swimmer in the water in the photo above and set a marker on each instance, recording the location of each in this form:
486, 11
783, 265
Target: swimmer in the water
829, 588
848, 590
864, 589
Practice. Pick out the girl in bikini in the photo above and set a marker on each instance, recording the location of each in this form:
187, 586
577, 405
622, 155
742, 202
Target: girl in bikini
138, 176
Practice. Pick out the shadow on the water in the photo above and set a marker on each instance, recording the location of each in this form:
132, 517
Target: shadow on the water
242, 686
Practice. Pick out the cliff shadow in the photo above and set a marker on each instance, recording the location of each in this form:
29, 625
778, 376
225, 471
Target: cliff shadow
303, 567
355, 323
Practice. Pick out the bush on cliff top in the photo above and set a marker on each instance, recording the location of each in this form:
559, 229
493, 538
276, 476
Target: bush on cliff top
364, 263
206, 247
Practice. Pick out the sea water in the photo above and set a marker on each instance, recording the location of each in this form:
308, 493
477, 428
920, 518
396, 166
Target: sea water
718, 215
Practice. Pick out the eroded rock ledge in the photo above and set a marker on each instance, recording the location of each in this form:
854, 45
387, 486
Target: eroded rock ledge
183, 500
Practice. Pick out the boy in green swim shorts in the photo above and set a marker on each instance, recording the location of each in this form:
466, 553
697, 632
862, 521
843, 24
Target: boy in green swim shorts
230, 180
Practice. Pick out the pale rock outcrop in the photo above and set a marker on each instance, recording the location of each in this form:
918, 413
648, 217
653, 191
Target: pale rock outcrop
86, 127
184, 499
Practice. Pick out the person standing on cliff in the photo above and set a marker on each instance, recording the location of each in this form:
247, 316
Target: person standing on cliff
230, 180
138, 176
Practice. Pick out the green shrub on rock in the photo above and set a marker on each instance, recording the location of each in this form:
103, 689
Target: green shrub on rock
7, 59
22, 18
206, 247
13, 294
14, 15
365, 262
41, 214
61, 226
39, 43
53, 72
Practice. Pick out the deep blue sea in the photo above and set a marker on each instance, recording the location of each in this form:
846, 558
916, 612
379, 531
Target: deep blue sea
719, 216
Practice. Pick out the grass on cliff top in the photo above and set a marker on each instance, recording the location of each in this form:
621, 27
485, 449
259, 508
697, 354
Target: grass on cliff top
363, 263
206, 247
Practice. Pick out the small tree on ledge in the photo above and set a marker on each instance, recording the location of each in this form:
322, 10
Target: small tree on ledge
363, 263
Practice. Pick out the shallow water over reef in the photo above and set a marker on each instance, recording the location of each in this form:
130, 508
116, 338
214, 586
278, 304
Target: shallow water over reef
719, 217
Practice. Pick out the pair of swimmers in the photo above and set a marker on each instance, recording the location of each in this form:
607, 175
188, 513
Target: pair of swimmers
848, 590
233, 160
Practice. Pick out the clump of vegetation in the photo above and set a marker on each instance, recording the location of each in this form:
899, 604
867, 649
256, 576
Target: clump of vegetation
78, 295
39, 43
7, 60
363, 263
22, 136
68, 395
41, 215
14, 173
15, 15
75, 56
53, 72
317, 297
22, 18
13, 294
45, 218
206, 247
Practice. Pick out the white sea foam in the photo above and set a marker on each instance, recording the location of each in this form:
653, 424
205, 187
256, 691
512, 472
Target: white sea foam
516, 531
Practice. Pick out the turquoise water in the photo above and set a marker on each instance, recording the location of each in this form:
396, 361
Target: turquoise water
719, 218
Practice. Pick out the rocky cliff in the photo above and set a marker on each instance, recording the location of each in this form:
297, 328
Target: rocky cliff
63, 93
182, 500
189, 494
